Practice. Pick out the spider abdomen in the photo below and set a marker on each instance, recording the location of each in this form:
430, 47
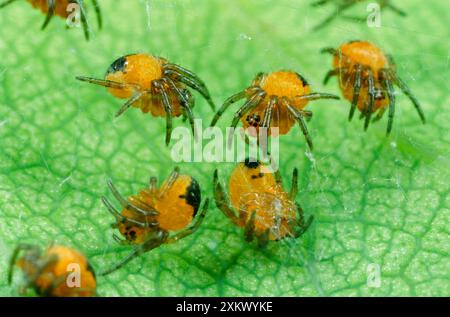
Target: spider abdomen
366, 78
252, 190
155, 86
176, 207
372, 60
136, 70
157, 215
60, 7
361, 53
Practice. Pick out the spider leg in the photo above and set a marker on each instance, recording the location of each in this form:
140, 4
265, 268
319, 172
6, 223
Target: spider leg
301, 121
233, 99
120, 241
319, 3
278, 178
249, 229
19, 248
294, 185
222, 201
152, 242
354, 18
126, 204
197, 222
51, 4
256, 82
190, 79
263, 239
267, 120
329, 50
135, 253
331, 73
170, 181
400, 83
394, 8
307, 114
317, 96
392, 64
119, 217
391, 94
103, 82
167, 108
186, 72
356, 91
252, 103
129, 103
153, 183
8, 2
184, 104
268, 113
98, 13
300, 223
380, 114
332, 16
371, 92
83, 18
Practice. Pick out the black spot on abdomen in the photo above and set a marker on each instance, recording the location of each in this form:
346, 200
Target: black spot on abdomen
193, 195
119, 65
251, 163
302, 79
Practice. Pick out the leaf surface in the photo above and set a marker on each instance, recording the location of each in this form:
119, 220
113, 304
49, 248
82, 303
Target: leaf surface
377, 202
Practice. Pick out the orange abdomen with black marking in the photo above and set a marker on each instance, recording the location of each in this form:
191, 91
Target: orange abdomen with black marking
139, 71
177, 206
61, 6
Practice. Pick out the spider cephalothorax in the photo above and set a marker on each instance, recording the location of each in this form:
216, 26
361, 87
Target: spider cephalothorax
63, 9
276, 100
154, 85
258, 203
157, 216
343, 5
366, 78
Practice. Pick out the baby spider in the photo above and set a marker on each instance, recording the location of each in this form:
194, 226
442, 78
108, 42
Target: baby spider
49, 273
344, 5
260, 205
156, 216
277, 100
366, 78
153, 84
63, 9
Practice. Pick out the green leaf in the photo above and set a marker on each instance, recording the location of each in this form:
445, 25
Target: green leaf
376, 201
